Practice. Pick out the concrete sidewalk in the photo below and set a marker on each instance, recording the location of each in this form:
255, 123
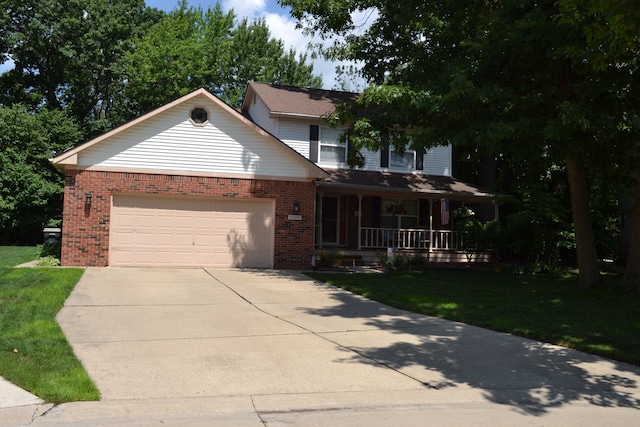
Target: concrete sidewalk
232, 347
12, 396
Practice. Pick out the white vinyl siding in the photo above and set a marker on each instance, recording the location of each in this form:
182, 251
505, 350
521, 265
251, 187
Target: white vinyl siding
170, 142
437, 161
260, 114
295, 135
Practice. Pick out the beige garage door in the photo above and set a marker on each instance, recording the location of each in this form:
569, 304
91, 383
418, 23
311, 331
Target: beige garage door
185, 232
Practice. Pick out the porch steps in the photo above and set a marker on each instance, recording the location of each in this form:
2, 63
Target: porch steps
348, 261
347, 258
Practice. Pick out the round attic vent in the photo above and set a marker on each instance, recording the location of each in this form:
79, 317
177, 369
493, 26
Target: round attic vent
199, 116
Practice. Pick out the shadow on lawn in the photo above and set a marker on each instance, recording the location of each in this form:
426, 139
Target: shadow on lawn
528, 375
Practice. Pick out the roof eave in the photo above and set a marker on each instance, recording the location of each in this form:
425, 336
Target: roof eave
389, 190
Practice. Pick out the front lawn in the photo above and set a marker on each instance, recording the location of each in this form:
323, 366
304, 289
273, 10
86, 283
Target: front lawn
34, 352
602, 321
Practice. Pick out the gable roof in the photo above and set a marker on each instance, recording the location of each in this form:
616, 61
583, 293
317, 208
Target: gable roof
69, 159
296, 101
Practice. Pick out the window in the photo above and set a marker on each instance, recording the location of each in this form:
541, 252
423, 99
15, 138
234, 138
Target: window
403, 161
199, 116
332, 151
406, 215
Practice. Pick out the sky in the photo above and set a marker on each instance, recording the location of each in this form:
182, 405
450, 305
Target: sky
279, 21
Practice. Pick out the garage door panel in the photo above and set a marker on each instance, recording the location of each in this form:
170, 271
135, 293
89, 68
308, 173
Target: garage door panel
191, 232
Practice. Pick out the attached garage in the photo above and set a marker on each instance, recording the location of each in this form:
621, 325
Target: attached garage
190, 232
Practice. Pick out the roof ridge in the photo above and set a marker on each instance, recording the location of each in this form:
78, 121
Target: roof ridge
282, 86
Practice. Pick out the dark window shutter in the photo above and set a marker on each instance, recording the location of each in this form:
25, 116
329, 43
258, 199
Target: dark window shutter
314, 136
423, 212
376, 207
420, 160
384, 153
351, 150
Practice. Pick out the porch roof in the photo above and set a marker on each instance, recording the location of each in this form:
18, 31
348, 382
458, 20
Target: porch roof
400, 185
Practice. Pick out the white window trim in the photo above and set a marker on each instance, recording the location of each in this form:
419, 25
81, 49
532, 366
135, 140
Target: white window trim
413, 161
322, 143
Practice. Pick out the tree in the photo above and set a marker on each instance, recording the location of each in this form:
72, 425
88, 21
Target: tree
525, 80
30, 187
254, 55
65, 54
182, 52
192, 48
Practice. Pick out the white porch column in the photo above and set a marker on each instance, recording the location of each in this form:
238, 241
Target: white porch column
359, 221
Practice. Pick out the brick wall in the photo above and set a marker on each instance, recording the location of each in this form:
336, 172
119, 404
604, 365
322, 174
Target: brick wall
85, 229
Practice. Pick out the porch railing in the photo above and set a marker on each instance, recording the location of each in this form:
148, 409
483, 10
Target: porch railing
380, 238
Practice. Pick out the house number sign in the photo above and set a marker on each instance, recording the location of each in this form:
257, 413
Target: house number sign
295, 217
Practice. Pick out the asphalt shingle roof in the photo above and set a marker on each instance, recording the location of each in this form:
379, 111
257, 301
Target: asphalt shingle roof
375, 181
300, 101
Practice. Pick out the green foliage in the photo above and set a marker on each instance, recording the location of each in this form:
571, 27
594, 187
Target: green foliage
49, 261
82, 68
30, 187
107, 62
176, 55
326, 258
65, 54
494, 236
190, 48
534, 84
48, 249
254, 55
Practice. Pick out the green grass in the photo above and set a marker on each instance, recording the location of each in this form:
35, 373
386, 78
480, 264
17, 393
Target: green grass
603, 321
34, 353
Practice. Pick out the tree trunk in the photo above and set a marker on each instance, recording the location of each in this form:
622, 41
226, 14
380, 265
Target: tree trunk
487, 181
585, 243
631, 279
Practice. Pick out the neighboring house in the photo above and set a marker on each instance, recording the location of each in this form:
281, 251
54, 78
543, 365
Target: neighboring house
197, 183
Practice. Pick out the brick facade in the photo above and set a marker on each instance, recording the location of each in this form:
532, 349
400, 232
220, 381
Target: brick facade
85, 230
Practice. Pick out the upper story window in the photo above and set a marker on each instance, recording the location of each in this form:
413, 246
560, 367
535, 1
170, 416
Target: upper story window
331, 150
402, 161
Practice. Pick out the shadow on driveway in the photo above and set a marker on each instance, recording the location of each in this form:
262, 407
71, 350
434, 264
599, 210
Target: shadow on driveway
526, 374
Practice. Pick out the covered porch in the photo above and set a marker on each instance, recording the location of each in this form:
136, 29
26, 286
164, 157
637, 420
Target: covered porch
364, 211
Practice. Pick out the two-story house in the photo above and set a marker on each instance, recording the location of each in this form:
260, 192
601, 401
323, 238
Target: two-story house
197, 183
396, 200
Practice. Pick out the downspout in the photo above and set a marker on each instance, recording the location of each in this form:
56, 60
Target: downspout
319, 220
430, 230
359, 221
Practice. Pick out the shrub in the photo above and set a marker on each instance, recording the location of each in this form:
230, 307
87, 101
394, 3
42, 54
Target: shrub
48, 249
48, 261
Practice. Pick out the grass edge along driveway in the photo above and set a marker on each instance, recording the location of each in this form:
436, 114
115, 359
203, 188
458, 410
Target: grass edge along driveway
603, 321
34, 353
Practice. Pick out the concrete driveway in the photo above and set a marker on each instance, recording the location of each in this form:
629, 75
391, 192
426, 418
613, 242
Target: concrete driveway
178, 333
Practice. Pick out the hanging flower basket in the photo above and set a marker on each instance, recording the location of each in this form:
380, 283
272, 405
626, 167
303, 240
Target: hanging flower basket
397, 208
